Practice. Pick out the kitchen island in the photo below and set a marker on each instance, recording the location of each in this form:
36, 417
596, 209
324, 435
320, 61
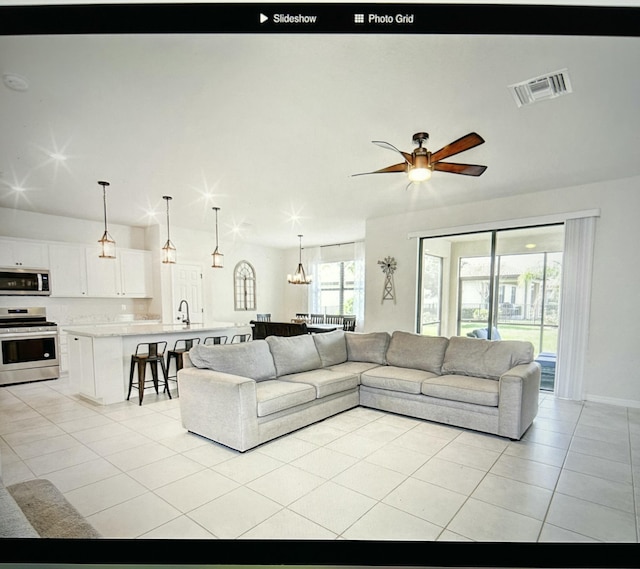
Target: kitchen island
100, 355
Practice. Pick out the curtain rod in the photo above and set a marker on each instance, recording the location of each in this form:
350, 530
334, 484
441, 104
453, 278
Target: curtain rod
338, 244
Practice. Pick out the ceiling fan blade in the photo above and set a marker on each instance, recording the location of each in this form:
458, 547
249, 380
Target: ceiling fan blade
465, 143
388, 146
402, 167
466, 169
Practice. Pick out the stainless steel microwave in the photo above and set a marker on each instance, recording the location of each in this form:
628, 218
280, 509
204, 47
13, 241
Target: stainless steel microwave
25, 282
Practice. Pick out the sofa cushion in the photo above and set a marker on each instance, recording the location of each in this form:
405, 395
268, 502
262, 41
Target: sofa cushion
417, 351
325, 381
294, 354
275, 395
395, 378
332, 347
370, 347
484, 358
247, 359
466, 389
353, 367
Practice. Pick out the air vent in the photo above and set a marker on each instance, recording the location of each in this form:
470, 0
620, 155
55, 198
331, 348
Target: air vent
547, 86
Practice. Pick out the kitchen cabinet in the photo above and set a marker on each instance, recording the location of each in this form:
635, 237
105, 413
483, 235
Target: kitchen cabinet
81, 365
68, 266
27, 254
126, 276
100, 356
95, 368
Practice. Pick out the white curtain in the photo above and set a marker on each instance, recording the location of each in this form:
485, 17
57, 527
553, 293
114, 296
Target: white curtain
314, 258
573, 335
358, 286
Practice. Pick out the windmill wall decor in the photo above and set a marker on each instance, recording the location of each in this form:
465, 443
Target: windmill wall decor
388, 266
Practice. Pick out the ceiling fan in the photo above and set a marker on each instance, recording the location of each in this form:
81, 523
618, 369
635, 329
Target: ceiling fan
420, 163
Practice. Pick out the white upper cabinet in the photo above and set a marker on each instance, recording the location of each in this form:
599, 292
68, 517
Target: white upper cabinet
68, 266
135, 273
27, 254
128, 275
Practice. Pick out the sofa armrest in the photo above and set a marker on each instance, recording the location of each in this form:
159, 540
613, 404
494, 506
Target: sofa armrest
518, 399
219, 406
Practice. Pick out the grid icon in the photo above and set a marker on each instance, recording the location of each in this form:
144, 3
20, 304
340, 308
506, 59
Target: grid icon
358, 18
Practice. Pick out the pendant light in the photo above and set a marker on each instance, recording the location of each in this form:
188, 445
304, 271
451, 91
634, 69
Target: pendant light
218, 258
299, 277
107, 244
168, 251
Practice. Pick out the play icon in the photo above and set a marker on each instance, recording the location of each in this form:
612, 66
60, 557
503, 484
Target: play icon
263, 18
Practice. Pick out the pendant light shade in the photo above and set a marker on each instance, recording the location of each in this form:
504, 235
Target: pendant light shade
107, 244
169, 254
218, 258
299, 277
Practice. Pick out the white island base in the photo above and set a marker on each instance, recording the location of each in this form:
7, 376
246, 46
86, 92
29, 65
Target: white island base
100, 356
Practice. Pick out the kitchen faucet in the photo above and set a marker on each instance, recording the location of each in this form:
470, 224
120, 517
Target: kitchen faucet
186, 320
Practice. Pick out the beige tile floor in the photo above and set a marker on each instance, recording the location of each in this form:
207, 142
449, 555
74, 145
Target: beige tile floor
134, 472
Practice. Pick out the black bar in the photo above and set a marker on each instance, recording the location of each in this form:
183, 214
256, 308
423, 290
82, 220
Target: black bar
320, 18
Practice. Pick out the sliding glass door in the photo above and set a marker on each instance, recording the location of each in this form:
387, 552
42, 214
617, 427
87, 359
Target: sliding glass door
502, 284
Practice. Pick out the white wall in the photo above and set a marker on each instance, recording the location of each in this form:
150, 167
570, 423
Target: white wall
28, 225
195, 247
613, 365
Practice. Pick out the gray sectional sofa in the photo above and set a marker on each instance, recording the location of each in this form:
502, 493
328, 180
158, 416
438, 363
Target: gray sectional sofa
242, 395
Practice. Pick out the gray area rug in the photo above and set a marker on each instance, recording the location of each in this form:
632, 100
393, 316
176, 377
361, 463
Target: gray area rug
49, 512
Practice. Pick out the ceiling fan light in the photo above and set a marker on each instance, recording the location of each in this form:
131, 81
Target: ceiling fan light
419, 174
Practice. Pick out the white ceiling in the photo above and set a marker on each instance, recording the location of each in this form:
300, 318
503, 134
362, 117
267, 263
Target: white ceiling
272, 127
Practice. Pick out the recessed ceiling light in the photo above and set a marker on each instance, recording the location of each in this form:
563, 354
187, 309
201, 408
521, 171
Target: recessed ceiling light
15, 82
530, 245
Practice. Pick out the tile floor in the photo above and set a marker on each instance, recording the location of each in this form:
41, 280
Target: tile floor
134, 472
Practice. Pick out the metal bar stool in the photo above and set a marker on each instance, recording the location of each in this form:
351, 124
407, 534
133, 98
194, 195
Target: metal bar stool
179, 348
241, 338
215, 340
154, 354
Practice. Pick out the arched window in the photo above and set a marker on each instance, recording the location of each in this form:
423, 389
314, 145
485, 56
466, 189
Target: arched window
244, 276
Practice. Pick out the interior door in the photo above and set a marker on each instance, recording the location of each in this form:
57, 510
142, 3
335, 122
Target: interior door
187, 285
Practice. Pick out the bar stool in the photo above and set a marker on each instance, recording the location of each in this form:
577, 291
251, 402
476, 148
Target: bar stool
154, 354
241, 338
179, 348
215, 340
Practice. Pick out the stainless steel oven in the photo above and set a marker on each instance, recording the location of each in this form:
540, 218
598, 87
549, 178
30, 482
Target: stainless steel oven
28, 346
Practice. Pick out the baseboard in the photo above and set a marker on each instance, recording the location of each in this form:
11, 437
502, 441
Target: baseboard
613, 401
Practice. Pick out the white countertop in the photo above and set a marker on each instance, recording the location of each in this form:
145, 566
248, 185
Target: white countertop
139, 329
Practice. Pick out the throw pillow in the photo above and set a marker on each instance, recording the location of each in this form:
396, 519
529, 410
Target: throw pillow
485, 358
247, 359
332, 347
370, 347
417, 351
294, 354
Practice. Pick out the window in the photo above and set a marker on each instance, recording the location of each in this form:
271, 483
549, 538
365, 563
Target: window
431, 296
244, 277
501, 284
337, 287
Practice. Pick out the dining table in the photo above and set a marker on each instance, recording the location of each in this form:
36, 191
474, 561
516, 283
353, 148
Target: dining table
320, 328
